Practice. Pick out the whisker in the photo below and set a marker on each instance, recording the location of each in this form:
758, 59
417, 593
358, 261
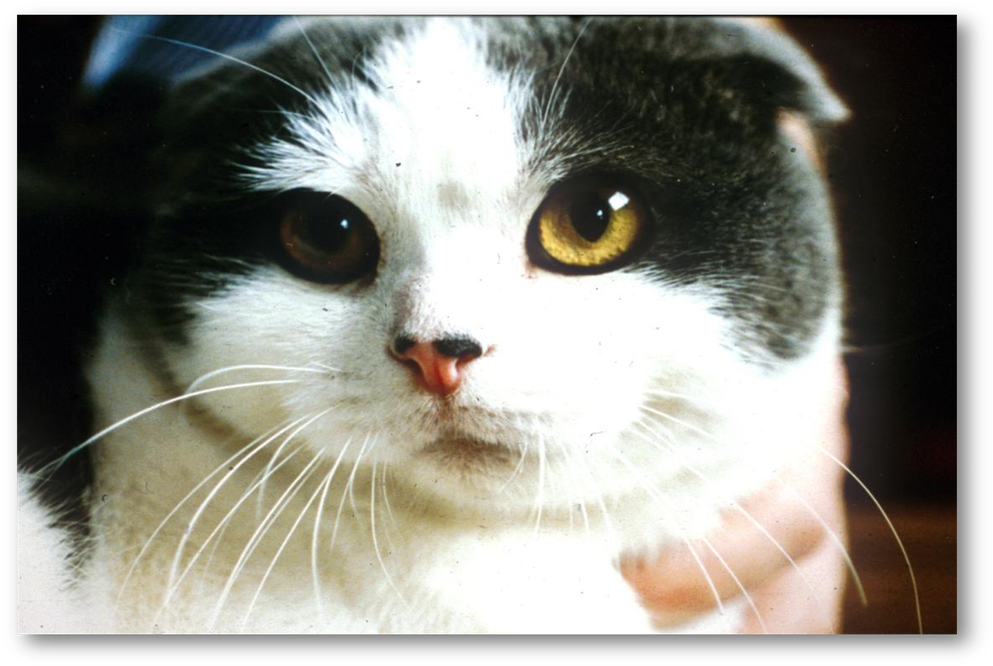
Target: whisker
896, 535
256, 539
572, 494
682, 396
250, 366
186, 396
222, 525
835, 538
696, 557
386, 500
347, 492
737, 581
317, 526
219, 528
547, 112
266, 472
736, 505
234, 470
517, 470
179, 505
541, 483
351, 480
601, 504
682, 423
175, 509
281, 548
375, 540
389, 509
313, 49
219, 54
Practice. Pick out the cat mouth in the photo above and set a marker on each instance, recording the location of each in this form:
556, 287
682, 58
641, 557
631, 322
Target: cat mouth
469, 453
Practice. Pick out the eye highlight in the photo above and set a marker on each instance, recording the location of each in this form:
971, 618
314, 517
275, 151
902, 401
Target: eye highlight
589, 225
328, 239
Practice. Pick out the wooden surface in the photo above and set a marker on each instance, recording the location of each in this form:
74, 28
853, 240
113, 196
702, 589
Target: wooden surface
929, 535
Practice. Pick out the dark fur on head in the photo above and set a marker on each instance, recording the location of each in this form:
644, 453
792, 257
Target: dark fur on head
685, 108
689, 106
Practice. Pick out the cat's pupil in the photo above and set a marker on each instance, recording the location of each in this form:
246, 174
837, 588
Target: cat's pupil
329, 235
590, 217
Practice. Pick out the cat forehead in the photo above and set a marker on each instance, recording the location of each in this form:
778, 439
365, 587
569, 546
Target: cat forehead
430, 118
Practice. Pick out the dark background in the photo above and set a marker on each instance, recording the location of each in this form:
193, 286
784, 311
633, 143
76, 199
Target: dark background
893, 171
892, 168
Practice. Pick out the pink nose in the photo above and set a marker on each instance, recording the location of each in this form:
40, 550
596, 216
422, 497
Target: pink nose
439, 366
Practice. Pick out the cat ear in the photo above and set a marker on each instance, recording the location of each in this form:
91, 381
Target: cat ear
770, 69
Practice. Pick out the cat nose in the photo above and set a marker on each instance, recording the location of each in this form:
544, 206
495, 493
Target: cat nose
440, 364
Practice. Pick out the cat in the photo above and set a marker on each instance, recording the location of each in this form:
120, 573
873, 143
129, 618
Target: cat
432, 320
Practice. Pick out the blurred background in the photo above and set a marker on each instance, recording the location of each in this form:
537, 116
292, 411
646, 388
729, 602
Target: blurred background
892, 168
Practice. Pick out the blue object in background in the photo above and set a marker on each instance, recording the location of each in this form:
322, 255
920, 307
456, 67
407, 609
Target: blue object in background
137, 46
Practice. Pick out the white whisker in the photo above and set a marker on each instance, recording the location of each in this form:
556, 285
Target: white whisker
313, 49
186, 396
218, 530
266, 472
219, 54
834, 537
234, 470
572, 494
176, 509
553, 94
517, 470
315, 569
690, 426
375, 539
837, 542
256, 539
386, 500
541, 484
669, 450
348, 493
896, 535
696, 557
250, 366
281, 548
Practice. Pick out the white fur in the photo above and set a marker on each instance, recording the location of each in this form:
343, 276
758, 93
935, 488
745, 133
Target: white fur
424, 542
46, 600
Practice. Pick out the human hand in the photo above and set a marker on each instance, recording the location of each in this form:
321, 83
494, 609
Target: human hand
803, 510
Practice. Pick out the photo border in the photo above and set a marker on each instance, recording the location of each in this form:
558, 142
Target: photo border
971, 416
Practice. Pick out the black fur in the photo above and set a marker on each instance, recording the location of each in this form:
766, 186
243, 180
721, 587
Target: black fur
689, 108
735, 207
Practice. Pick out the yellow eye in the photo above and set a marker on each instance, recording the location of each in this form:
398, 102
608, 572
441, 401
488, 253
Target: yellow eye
588, 226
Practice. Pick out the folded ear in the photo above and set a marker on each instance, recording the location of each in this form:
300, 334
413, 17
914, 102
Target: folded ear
770, 68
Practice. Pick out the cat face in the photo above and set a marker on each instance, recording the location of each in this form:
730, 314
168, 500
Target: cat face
485, 253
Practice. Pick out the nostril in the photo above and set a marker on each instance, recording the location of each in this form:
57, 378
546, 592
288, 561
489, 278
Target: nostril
438, 366
412, 364
458, 347
403, 343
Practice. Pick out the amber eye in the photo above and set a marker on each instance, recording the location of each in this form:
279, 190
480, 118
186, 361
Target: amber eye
328, 239
590, 225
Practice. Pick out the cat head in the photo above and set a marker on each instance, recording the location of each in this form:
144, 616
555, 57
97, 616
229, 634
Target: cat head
484, 252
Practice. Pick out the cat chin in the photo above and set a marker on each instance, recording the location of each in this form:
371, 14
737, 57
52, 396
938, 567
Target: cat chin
467, 457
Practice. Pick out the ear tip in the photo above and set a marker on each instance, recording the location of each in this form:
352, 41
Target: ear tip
823, 105
769, 37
